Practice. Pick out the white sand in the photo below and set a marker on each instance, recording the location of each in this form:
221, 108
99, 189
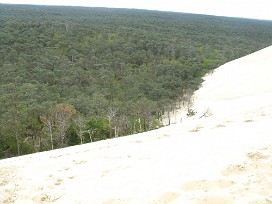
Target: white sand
224, 158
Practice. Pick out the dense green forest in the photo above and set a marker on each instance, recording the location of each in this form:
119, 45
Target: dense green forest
73, 75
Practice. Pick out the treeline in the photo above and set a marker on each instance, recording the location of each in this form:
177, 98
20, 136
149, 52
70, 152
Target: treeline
72, 75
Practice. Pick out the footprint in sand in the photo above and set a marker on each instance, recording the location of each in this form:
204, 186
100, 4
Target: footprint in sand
257, 161
57, 156
44, 198
10, 195
162, 136
248, 120
223, 124
79, 162
215, 199
256, 155
4, 181
6, 175
71, 177
205, 185
166, 198
220, 126
58, 182
196, 128
234, 169
254, 177
55, 183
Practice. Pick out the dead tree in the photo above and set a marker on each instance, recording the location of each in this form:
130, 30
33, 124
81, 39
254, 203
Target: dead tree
80, 126
111, 113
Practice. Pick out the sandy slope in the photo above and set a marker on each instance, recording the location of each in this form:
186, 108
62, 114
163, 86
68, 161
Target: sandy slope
224, 158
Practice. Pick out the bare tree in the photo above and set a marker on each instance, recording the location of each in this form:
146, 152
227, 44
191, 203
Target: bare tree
48, 122
62, 115
189, 100
91, 133
80, 126
207, 113
111, 113
62, 124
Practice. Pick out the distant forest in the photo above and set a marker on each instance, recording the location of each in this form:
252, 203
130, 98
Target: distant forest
73, 75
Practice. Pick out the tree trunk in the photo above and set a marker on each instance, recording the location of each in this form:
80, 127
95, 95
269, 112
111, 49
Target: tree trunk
40, 142
18, 143
81, 137
110, 128
134, 126
116, 131
51, 135
90, 134
140, 125
168, 115
63, 139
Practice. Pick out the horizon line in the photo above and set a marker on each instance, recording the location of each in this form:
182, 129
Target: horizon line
139, 9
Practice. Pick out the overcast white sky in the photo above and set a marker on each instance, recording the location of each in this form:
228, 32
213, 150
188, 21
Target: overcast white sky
259, 9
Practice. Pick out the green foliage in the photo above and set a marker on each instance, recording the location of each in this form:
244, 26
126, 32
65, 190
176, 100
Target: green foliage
99, 128
191, 112
96, 58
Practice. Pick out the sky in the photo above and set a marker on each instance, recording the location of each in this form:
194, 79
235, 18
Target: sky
258, 9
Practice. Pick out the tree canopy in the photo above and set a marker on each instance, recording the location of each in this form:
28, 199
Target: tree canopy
71, 75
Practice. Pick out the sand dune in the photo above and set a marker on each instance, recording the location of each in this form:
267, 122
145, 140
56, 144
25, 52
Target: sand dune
223, 158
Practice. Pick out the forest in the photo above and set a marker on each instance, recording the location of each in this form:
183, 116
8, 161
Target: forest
74, 75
